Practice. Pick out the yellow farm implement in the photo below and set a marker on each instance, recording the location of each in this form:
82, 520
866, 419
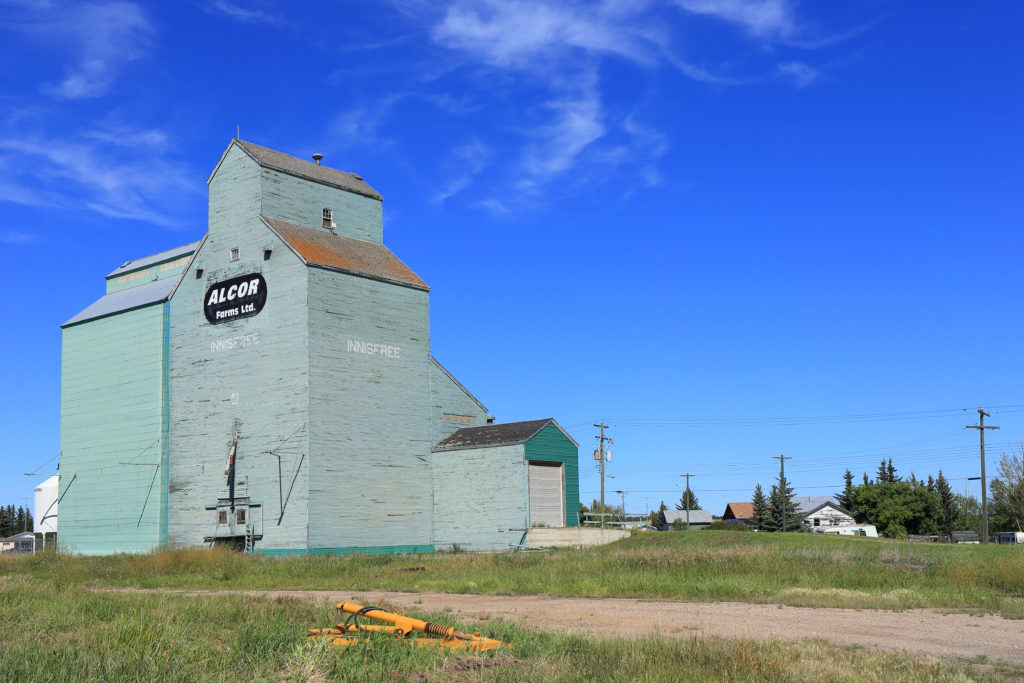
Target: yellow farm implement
351, 632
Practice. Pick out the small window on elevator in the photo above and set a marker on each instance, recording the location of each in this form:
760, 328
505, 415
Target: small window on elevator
234, 254
328, 218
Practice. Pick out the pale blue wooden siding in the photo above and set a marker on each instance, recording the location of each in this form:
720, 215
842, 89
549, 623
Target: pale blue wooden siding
112, 424
249, 375
369, 414
158, 271
480, 500
296, 200
446, 396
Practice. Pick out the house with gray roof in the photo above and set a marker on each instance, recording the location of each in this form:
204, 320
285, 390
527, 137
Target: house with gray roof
699, 519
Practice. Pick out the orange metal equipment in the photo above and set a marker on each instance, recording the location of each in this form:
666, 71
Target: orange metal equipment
401, 626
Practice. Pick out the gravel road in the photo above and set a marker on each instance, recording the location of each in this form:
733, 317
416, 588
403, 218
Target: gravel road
927, 632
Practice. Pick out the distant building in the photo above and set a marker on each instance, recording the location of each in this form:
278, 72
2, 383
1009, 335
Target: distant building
25, 542
739, 512
1013, 537
965, 537
818, 511
44, 514
699, 519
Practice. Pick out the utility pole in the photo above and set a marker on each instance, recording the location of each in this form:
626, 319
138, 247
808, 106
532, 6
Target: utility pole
599, 455
981, 427
782, 481
687, 497
623, 506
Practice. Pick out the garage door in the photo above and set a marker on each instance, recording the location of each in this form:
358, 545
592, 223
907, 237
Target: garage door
547, 506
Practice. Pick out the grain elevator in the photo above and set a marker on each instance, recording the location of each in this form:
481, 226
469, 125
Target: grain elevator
271, 387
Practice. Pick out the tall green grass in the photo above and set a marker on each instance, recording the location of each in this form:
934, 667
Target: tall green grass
794, 569
70, 633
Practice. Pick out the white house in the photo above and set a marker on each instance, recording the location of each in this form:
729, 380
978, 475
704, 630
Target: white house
822, 511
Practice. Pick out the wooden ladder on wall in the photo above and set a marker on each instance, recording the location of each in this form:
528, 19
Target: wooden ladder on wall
250, 541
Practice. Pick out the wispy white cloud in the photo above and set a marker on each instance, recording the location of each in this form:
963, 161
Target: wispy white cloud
798, 73
558, 54
19, 238
576, 122
467, 161
363, 123
236, 12
104, 36
85, 171
761, 18
518, 34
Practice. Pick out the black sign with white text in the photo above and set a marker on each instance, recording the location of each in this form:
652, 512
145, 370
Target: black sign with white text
239, 297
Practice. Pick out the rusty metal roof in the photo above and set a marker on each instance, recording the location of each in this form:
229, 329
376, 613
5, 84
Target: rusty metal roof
739, 511
506, 434
279, 161
367, 259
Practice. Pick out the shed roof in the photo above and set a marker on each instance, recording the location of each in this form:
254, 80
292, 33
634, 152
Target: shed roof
127, 299
506, 434
148, 261
269, 158
739, 511
368, 259
696, 516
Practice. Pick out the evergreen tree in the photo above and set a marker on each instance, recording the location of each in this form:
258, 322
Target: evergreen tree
946, 512
890, 473
880, 475
687, 501
760, 514
781, 506
657, 517
845, 499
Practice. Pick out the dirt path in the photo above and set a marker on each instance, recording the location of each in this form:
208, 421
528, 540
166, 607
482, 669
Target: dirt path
947, 636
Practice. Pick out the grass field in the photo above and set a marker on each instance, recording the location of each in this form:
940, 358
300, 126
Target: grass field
793, 569
53, 631
55, 627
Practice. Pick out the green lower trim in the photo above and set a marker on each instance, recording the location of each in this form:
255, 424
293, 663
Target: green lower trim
372, 550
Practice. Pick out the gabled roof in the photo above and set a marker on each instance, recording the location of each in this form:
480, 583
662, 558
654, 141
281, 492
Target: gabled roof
828, 503
507, 434
269, 158
806, 504
739, 510
368, 259
696, 516
127, 299
169, 255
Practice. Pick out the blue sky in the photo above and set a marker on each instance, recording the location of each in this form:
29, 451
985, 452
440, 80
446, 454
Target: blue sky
731, 229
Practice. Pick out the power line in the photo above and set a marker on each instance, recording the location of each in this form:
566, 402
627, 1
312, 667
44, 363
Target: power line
807, 419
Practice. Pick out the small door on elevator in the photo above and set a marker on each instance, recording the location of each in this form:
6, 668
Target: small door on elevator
547, 494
